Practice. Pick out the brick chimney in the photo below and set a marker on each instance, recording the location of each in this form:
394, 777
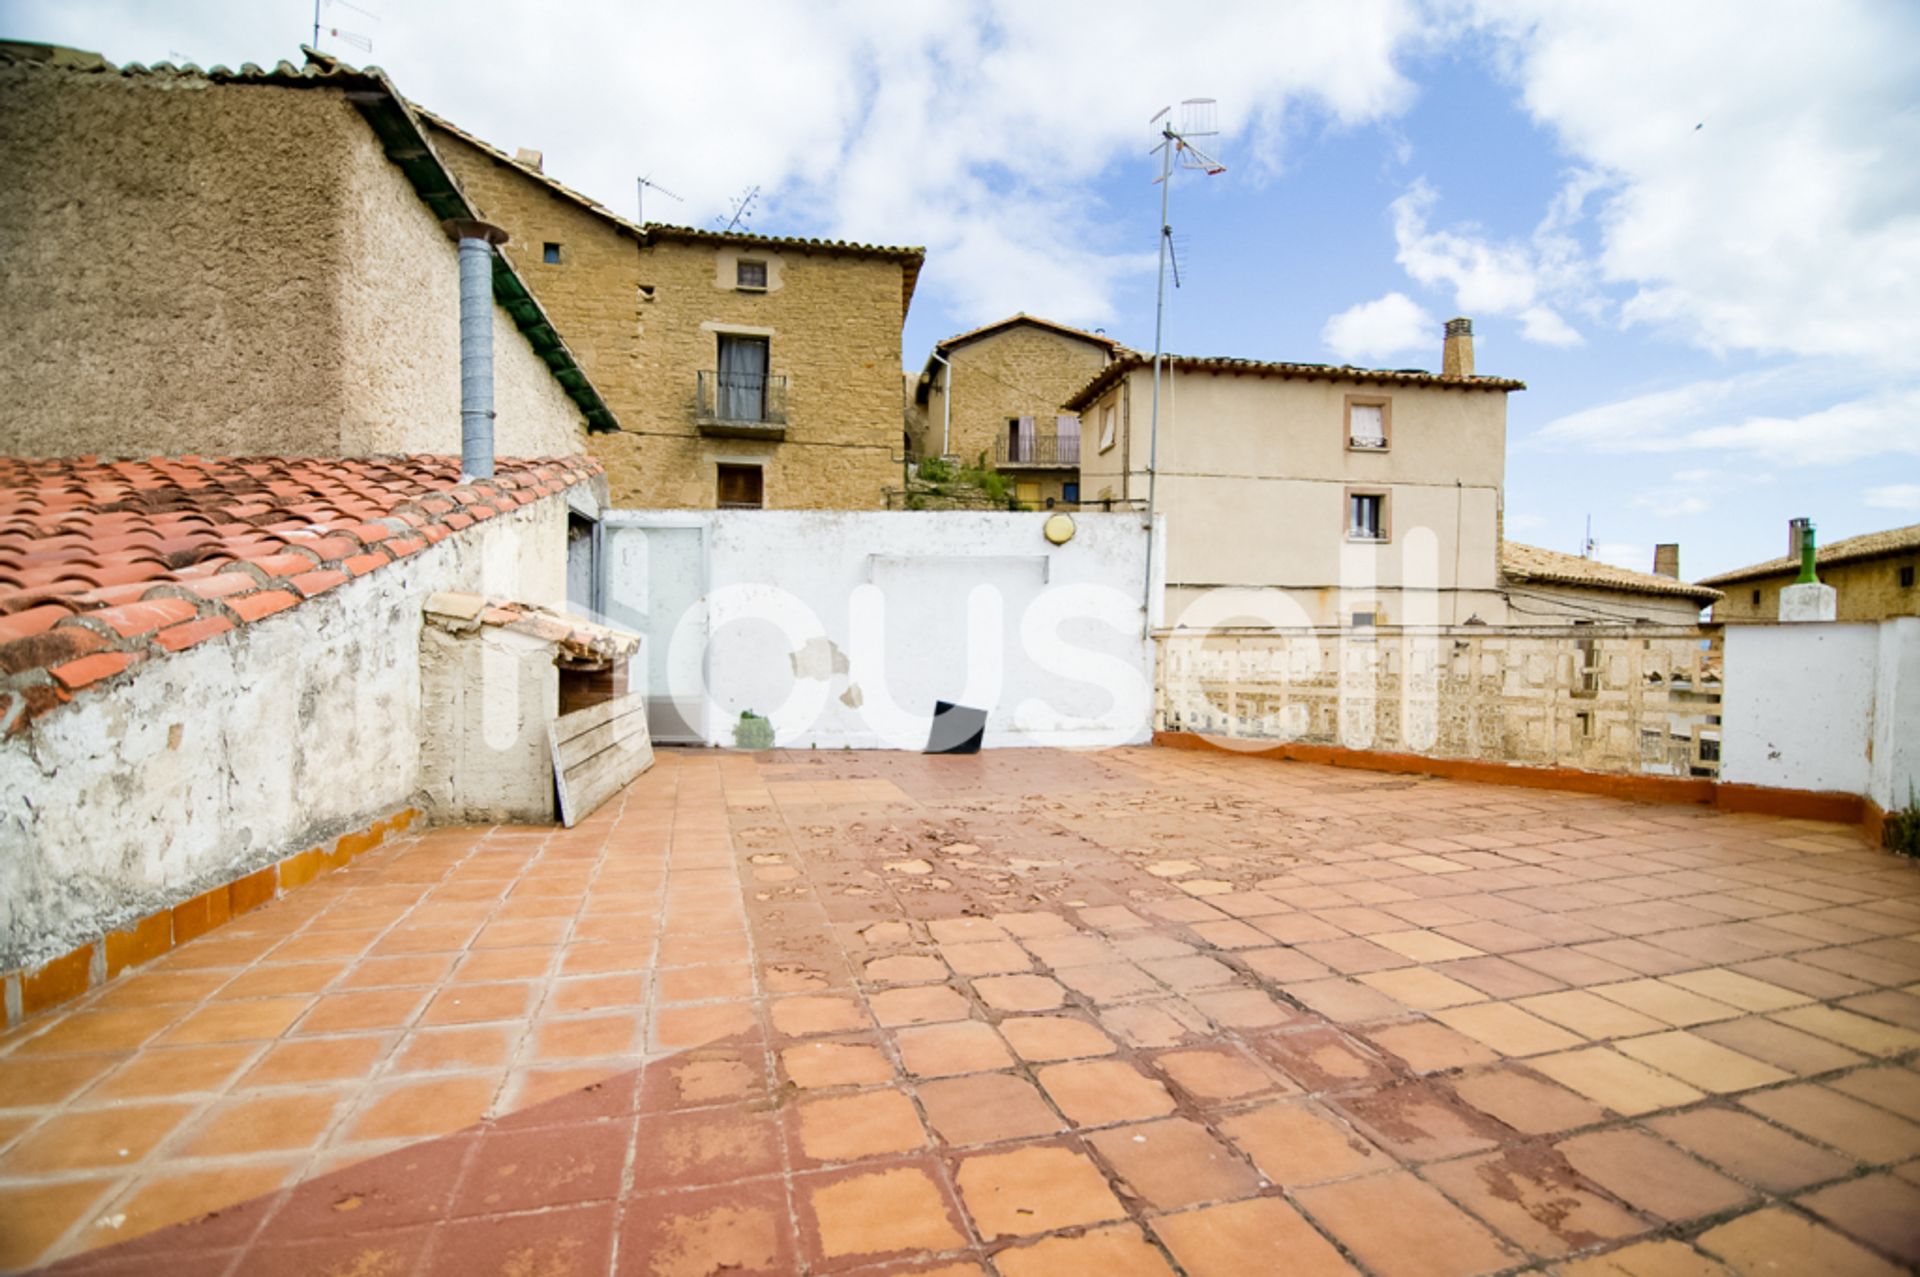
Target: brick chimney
1666, 560
529, 157
1457, 359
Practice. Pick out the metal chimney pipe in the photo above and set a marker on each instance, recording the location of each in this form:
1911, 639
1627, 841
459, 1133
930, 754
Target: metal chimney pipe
477, 240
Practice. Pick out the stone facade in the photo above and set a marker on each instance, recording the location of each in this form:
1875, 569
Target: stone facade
231, 269
643, 309
1021, 368
1867, 589
1646, 703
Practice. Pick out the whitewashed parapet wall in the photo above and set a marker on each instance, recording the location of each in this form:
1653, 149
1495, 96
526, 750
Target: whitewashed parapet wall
212, 762
842, 628
1825, 706
1642, 703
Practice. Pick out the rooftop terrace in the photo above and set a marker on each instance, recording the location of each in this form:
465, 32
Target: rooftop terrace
1134, 1012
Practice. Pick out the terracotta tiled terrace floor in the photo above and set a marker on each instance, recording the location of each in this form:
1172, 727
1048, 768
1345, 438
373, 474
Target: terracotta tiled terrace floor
1137, 1012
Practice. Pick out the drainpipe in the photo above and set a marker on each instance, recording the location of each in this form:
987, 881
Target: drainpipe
946, 405
477, 240
1807, 555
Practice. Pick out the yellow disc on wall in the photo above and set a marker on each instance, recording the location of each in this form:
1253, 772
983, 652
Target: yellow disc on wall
1059, 529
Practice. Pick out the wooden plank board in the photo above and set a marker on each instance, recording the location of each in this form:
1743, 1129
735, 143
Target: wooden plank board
597, 751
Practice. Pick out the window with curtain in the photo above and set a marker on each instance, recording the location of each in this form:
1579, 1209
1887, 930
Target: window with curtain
742, 379
1106, 427
1366, 425
1066, 434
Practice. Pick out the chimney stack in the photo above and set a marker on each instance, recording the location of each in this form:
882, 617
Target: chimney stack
529, 157
477, 240
1797, 530
1457, 360
1666, 560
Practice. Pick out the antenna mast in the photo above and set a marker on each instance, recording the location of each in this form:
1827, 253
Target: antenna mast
741, 209
640, 203
1196, 120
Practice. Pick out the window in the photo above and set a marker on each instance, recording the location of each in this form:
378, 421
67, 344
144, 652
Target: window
1022, 440
1369, 422
1066, 438
742, 383
1365, 620
550, 254
741, 487
1906, 576
1367, 516
751, 276
1756, 598
1070, 492
1106, 427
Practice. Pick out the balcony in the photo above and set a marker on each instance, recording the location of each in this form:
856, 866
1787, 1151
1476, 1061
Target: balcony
1038, 452
741, 405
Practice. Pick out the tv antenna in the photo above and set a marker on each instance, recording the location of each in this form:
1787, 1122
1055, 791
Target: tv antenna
1197, 120
742, 210
354, 38
640, 203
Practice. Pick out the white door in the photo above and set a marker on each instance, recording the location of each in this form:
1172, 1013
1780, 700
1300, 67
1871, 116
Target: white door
656, 586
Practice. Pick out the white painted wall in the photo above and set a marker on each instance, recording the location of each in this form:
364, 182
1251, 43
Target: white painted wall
1797, 706
1896, 715
844, 627
199, 767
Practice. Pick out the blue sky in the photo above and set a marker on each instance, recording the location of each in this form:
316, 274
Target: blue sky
1693, 230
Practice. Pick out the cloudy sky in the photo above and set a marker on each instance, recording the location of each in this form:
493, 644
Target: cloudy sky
1693, 229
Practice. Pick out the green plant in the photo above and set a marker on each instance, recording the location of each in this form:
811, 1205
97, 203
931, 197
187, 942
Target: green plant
1900, 831
752, 732
936, 470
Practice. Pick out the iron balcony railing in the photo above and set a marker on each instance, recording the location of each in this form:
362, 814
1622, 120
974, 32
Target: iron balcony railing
742, 398
1038, 450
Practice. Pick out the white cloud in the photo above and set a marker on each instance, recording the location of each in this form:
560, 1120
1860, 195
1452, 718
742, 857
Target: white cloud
1498, 277
1386, 326
1542, 324
1731, 415
1624, 554
1904, 497
1752, 162
976, 128
1524, 523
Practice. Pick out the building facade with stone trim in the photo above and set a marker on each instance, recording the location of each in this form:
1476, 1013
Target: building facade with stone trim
746, 370
1874, 577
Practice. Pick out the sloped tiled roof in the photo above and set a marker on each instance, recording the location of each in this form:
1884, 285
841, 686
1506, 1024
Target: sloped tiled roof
1868, 545
1524, 563
107, 564
910, 259
1282, 371
1022, 317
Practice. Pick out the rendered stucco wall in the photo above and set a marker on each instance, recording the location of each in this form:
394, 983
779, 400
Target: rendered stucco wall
200, 767
1253, 480
489, 696
1799, 706
843, 628
230, 269
644, 321
400, 310
168, 261
1545, 603
1895, 779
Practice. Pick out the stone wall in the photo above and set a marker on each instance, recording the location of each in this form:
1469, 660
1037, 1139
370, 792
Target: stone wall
644, 319
1638, 703
1023, 371
1868, 590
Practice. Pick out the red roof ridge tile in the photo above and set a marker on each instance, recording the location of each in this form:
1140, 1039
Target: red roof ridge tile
104, 565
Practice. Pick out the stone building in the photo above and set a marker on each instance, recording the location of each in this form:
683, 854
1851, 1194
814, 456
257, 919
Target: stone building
1872, 576
1008, 381
1549, 587
246, 262
746, 370
1308, 494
